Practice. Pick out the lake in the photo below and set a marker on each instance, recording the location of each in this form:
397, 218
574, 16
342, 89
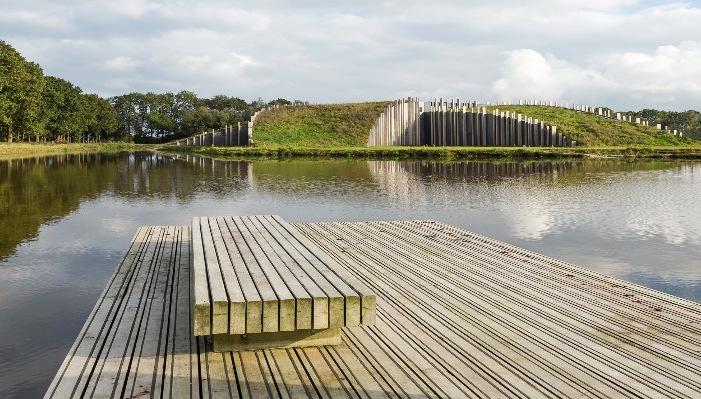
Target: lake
65, 222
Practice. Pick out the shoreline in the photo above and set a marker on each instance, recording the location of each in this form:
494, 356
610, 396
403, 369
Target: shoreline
27, 150
30, 150
442, 153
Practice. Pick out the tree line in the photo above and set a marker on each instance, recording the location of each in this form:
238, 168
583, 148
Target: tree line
39, 108
688, 122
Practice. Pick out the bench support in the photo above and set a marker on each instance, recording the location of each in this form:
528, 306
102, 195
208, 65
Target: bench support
287, 339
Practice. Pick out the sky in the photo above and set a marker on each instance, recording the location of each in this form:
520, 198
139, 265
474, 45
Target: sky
624, 54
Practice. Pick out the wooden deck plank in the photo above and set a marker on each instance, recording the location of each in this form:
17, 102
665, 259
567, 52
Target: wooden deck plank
179, 375
217, 290
202, 318
336, 302
237, 301
283, 265
400, 294
287, 375
591, 329
458, 315
286, 301
320, 301
107, 376
148, 349
82, 354
501, 319
254, 304
351, 288
159, 377
270, 316
251, 369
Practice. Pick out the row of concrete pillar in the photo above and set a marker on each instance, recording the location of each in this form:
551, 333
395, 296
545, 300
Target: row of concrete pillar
599, 111
400, 116
458, 123
228, 136
477, 127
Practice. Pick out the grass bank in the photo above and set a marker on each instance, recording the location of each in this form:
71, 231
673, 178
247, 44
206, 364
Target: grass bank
591, 130
446, 153
22, 150
327, 125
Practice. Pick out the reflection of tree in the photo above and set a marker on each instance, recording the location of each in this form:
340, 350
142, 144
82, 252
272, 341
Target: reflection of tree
34, 191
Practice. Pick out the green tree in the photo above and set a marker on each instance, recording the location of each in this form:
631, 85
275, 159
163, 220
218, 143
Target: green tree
63, 109
100, 118
21, 84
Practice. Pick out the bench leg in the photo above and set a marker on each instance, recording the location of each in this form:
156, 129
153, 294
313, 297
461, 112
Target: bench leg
287, 339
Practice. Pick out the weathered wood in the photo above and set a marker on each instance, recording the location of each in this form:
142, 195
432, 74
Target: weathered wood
219, 305
234, 293
203, 305
280, 339
302, 317
460, 315
352, 288
270, 305
320, 300
281, 280
253, 304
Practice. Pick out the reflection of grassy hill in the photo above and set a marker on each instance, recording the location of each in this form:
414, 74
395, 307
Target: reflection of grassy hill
329, 125
320, 170
592, 130
20, 150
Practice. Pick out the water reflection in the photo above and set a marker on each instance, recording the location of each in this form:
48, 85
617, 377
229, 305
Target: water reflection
34, 191
66, 220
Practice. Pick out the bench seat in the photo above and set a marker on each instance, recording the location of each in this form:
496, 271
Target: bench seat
260, 275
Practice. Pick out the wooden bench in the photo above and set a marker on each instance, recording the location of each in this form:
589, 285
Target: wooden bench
259, 283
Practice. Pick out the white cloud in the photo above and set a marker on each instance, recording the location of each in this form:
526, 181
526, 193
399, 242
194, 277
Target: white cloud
622, 53
121, 64
659, 78
528, 74
30, 19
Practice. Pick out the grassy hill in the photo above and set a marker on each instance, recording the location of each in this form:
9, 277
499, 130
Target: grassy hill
328, 125
591, 130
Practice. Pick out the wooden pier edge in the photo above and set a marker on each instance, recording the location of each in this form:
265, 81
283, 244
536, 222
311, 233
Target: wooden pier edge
458, 315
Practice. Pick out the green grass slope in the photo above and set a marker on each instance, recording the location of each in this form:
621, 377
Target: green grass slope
591, 130
327, 125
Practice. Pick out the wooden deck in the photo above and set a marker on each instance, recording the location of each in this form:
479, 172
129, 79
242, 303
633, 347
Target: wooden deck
458, 315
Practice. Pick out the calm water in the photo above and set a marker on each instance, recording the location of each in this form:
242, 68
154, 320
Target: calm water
65, 222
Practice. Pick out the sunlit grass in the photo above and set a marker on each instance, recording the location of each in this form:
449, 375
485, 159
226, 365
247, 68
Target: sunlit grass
327, 125
592, 130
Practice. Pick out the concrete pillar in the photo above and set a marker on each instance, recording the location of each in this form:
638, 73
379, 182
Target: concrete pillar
553, 136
